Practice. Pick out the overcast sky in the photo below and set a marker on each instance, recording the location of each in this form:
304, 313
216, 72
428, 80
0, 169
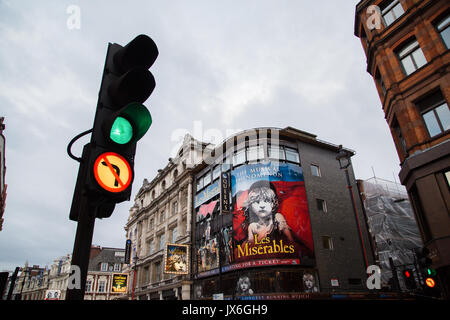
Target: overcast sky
223, 65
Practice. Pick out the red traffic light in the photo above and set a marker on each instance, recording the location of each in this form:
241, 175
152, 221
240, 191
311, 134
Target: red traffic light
407, 273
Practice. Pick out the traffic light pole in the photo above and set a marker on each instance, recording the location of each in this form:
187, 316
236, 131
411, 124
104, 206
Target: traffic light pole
82, 248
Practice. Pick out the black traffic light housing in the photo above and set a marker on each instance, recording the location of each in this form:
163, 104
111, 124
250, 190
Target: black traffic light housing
126, 84
430, 280
410, 281
120, 121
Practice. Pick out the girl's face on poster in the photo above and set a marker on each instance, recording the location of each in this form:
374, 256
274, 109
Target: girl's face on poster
244, 286
262, 208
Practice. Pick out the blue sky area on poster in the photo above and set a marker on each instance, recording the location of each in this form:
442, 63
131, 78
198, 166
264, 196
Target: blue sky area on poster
243, 177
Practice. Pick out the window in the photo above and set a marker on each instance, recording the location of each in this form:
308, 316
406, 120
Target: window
239, 157
199, 183
226, 164
255, 153
435, 113
88, 285
151, 223
216, 172
101, 286
443, 27
411, 57
162, 241
327, 242
146, 275
151, 247
437, 119
321, 205
292, 155
175, 207
116, 266
174, 234
276, 153
206, 179
161, 217
315, 170
157, 272
104, 266
391, 11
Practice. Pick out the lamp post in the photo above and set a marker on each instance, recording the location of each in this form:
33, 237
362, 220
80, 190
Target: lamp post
134, 276
343, 157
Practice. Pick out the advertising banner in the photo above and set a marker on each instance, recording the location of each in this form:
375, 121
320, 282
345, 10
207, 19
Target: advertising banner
176, 259
119, 283
270, 218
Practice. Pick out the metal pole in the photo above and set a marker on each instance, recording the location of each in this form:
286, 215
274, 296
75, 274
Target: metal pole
82, 248
134, 276
395, 280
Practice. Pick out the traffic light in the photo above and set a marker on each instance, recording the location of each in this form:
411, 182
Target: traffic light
121, 119
429, 276
107, 165
410, 281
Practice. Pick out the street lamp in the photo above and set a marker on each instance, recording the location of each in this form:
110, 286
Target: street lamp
134, 275
343, 157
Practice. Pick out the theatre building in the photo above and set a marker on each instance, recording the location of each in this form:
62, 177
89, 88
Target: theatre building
273, 218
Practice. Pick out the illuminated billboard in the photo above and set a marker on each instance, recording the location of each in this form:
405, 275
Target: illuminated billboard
271, 222
119, 283
176, 259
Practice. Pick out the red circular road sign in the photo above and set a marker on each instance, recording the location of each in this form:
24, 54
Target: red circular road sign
430, 282
112, 172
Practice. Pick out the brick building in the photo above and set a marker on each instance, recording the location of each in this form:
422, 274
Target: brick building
406, 43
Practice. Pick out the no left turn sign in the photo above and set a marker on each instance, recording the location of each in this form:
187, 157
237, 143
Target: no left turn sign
112, 172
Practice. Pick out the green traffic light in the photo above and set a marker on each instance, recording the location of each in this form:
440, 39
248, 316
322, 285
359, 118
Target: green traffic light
431, 272
140, 118
121, 131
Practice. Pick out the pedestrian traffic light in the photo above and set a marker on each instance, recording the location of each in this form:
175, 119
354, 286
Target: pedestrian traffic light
120, 121
410, 281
